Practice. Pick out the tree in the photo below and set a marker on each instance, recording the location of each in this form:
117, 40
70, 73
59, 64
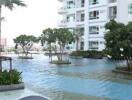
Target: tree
119, 41
48, 37
77, 37
9, 4
26, 42
64, 37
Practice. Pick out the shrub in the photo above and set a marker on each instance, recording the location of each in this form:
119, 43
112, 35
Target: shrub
78, 53
10, 77
88, 54
60, 62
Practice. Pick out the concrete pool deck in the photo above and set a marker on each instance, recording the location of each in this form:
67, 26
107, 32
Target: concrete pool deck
20, 95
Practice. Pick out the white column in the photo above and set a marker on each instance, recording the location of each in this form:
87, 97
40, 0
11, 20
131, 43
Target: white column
86, 26
122, 11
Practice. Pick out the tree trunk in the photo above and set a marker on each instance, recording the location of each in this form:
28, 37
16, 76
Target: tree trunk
61, 52
55, 50
10, 65
129, 64
50, 53
0, 38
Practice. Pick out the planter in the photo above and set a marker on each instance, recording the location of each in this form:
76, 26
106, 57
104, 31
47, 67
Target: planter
121, 71
76, 57
11, 87
94, 57
60, 62
23, 57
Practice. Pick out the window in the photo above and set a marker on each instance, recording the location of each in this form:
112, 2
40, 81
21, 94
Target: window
93, 45
70, 18
82, 46
94, 30
93, 2
70, 4
82, 3
80, 31
112, 12
94, 15
130, 8
82, 17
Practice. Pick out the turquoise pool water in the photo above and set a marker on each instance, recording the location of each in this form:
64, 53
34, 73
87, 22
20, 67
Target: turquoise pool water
84, 79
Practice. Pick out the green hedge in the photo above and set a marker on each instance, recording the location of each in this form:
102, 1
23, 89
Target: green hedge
61, 62
10, 77
88, 54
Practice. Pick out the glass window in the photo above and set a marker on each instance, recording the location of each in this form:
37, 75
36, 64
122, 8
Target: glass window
94, 30
94, 15
112, 12
70, 4
130, 8
82, 17
93, 2
93, 45
82, 3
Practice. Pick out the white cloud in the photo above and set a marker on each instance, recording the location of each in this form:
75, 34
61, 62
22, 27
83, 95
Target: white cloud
38, 15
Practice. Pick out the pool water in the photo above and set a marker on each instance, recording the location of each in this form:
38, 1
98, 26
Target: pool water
84, 79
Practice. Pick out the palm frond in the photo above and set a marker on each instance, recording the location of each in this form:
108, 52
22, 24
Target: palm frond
10, 3
18, 2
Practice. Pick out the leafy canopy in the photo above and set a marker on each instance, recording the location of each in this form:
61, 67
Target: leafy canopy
64, 36
47, 36
26, 42
119, 39
10, 3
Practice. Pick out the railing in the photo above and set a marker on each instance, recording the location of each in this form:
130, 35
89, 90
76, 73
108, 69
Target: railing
112, 1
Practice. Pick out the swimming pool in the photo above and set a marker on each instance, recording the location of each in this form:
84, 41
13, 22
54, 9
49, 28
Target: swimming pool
84, 79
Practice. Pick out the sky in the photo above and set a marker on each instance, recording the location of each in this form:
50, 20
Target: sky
30, 20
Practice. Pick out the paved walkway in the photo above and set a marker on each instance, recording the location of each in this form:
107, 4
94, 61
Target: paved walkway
34, 98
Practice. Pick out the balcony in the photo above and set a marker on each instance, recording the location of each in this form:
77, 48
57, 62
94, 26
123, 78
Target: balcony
93, 2
65, 23
61, 0
79, 22
62, 10
112, 1
80, 3
62, 23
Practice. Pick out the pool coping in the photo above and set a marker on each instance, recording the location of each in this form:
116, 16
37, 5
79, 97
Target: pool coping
11, 87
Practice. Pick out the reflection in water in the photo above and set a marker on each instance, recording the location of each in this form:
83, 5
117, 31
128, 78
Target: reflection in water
84, 79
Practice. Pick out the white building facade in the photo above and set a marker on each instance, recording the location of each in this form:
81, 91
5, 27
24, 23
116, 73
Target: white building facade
88, 18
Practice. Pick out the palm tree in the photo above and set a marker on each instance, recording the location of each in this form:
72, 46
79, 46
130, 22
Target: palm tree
9, 4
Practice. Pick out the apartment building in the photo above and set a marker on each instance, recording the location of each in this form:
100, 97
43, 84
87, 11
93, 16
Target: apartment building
88, 18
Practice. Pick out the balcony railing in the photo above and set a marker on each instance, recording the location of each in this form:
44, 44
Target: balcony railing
62, 10
112, 1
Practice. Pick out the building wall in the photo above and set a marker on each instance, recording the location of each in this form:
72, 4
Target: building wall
107, 10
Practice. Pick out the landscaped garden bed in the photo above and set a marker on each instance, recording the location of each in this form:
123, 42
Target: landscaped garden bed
87, 54
11, 87
60, 62
122, 70
10, 80
25, 57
